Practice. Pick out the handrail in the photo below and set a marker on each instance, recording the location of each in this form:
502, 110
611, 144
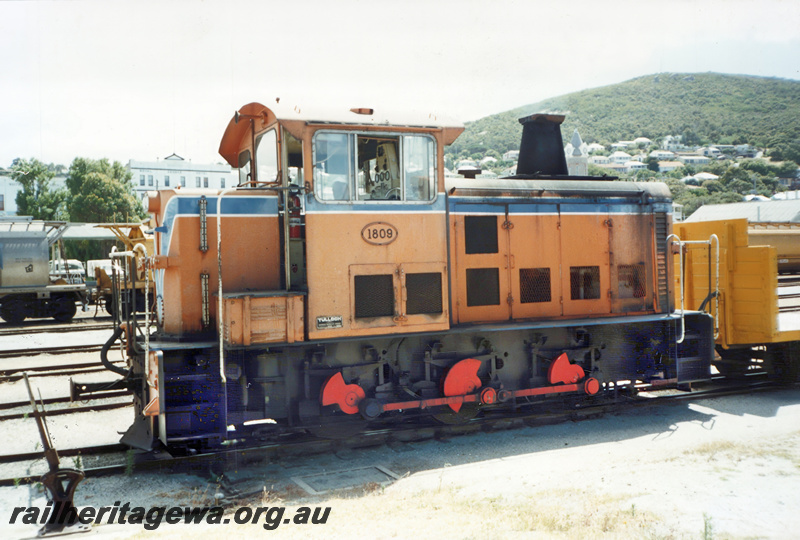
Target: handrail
222, 376
680, 266
143, 249
716, 288
117, 285
682, 243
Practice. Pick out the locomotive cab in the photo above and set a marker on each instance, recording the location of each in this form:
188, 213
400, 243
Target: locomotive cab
368, 274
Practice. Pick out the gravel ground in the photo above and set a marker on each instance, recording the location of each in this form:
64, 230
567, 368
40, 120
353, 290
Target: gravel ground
726, 467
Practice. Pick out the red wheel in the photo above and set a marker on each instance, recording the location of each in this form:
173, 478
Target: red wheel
591, 386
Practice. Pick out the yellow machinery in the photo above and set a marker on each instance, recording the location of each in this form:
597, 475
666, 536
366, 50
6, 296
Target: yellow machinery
131, 235
758, 303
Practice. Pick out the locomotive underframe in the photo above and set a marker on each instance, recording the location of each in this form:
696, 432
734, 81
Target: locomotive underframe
269, 391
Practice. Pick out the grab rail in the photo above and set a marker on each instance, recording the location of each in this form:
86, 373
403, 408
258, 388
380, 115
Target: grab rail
682, 243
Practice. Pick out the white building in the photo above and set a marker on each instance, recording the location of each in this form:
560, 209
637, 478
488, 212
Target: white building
511, 155
174, 171
673, 143
662, 154
169, 172
703, 176
621, 145
693, 159
595, 147
599, 160
786, 195
667, 166
619, 157
677, 212
465, 163
710, 151
10, 187
632, 166
8, 194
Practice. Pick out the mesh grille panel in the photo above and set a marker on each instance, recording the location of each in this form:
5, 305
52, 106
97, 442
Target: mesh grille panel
483, 287
584, 282
480, 234
662, 230
424, 293
534, 285
632, 283
374, 296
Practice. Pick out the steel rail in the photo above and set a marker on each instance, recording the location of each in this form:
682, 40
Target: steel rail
14, 353
20, 331
36, 369
71, 410
70, 452
66, 399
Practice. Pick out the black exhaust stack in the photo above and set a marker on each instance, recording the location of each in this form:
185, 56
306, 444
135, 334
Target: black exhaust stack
541, 151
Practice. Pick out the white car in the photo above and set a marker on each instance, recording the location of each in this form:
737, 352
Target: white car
70, 270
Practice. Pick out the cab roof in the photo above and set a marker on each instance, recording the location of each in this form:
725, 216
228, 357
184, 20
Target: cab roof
358, 116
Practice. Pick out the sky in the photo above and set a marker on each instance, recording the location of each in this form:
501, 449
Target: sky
141, 80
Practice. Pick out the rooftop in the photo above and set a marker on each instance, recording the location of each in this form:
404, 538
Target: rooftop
755, 212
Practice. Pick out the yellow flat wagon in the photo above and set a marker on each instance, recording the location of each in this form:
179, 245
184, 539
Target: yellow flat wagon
758, 303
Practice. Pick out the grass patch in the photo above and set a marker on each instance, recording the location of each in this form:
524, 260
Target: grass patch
569, 513
786, 449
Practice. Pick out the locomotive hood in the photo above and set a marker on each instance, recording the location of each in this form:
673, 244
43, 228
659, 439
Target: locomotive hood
494, 187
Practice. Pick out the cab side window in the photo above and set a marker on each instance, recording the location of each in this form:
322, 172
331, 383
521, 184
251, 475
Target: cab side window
374, 167
267, 157
244, 169
332, 166
419, 159
378, 168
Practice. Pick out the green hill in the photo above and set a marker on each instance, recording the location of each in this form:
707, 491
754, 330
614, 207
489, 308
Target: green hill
706, 108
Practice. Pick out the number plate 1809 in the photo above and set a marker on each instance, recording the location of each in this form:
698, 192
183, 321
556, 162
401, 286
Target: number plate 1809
379, 233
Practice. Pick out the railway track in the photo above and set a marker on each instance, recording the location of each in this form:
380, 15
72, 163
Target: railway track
83, 324
15, 374
114, 459
77, 410
40, 327
82, 368
35, 351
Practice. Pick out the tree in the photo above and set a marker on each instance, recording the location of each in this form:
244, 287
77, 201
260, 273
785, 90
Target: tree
787, 169
740, 186
756, 165
36, 198
652, 163
102, 192
596, 170
645, 174
777, 153
714, 186
692, 203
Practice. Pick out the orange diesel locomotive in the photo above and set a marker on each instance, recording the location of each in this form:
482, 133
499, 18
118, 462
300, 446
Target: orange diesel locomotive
346, 281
